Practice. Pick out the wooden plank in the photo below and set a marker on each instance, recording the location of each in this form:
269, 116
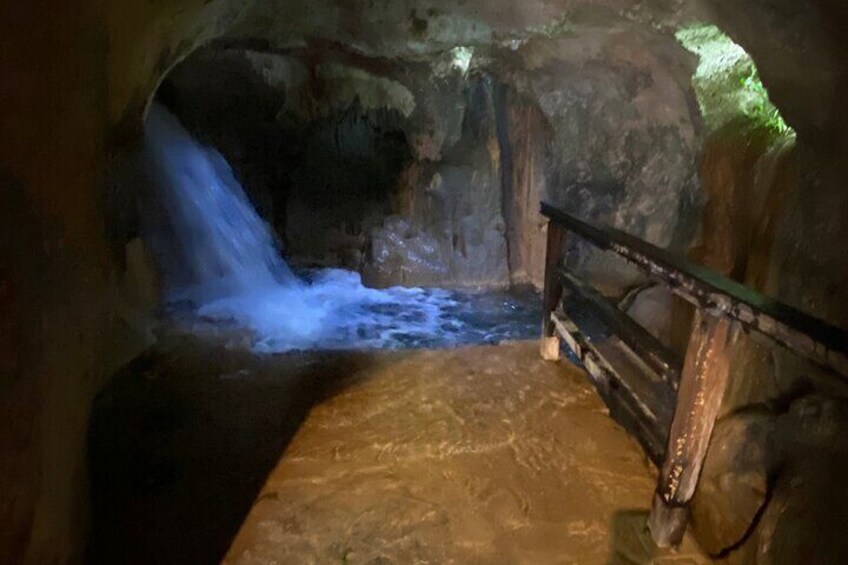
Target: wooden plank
702, 386
638, 391
641, 404
660, 359
814, 339
552, 293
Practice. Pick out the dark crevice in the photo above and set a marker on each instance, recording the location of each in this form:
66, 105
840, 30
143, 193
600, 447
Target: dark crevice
508, 204
755, 521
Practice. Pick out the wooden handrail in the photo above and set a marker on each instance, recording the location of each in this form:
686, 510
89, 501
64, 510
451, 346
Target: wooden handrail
723, 306
813, 339
641, 341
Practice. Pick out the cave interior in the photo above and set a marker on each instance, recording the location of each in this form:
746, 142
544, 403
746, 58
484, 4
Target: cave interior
272, 276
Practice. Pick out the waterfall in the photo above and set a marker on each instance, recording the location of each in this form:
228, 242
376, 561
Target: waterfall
217, 257
210, 242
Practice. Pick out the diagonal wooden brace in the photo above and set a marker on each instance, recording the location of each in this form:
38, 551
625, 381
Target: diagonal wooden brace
702, 386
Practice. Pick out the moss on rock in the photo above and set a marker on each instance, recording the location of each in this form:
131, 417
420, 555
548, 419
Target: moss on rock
727, 82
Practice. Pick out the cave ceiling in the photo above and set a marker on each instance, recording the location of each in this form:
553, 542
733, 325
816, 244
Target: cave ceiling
418, 28
783, 36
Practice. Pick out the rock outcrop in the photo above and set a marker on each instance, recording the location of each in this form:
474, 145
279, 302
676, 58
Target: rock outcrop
418, 170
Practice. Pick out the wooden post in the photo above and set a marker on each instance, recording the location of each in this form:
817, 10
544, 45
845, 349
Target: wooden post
702, 386
549, 346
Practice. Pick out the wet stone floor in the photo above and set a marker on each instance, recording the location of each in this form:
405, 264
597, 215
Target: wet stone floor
477, 455
483, 454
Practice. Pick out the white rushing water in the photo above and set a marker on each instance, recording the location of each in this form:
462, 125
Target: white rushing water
217, 255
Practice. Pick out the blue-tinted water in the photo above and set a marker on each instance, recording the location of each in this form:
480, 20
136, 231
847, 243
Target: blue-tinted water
219, 257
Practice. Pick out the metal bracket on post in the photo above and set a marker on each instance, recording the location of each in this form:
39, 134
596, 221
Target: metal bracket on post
702, 385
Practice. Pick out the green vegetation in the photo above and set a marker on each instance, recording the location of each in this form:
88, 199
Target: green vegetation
726, 82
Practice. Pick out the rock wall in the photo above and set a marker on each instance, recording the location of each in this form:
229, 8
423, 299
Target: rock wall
769, 490
359, 172
78, 75
525, 185
780, 448
71, 69
74, 100
418, 172
624, 135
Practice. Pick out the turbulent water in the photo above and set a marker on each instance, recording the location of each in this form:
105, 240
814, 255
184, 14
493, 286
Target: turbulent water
220, 259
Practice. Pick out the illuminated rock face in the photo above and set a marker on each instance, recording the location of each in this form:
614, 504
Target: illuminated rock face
422, 171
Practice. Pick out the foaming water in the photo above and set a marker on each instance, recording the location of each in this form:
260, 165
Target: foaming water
209, 241
218, 257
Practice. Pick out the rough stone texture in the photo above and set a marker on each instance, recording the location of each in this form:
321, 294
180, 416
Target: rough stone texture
610, 80
801, 53
529, 135
734, 484
628, 92
801, 58
653, 309
745, 191
76, 79
772, 487
422, 27
457, 204
805, 520
600, 121
143, 41
754, 181
748, 175
625, 131
70, 70
329, 161
478, 455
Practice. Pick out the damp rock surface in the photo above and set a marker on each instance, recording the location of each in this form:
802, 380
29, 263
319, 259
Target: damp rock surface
477, 455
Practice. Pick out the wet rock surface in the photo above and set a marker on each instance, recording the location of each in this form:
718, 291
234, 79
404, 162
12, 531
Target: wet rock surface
805, 520
414, 170
758, 482
478, 455
475, 455
735, 481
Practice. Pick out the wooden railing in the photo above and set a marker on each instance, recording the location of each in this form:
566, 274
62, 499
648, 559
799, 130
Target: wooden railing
670, 403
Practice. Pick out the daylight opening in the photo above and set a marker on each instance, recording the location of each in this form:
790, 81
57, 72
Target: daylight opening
726, 81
